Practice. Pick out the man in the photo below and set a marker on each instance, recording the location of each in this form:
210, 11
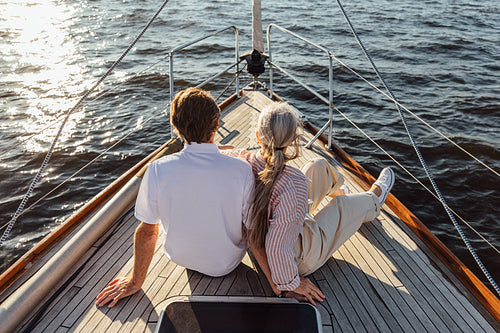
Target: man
200, 197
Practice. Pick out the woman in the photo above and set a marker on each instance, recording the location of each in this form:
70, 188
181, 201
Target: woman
287, 241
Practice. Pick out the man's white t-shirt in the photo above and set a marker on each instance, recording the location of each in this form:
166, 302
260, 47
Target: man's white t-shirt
202, 199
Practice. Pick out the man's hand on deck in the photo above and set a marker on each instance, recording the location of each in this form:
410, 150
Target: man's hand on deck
117, 289
144, 247
306, 291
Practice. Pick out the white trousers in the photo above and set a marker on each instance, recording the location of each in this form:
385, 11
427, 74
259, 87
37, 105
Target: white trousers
325, 231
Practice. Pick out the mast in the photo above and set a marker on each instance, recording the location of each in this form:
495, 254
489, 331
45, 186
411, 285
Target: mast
257, 38
256, 59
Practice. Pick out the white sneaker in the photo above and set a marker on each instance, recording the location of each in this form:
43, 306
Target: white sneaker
385, 181
345, 189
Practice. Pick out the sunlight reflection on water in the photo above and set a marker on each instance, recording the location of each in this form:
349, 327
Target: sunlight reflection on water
43, 60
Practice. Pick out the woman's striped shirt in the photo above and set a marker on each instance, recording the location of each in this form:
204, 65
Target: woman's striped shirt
287, 209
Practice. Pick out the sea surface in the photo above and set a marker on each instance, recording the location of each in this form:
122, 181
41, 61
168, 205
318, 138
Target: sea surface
440, 58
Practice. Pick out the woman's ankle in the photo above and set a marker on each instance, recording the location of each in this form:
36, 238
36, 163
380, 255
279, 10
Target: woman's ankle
376, 190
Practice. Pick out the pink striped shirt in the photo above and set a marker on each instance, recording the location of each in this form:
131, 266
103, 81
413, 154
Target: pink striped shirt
287, 209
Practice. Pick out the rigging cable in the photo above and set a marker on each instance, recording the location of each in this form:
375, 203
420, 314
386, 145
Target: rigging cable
117, 142
389, 155
420, 157
229, 85
414, 177
418, 118
120, 140
111, 147
89, 163
399, 164
68, 114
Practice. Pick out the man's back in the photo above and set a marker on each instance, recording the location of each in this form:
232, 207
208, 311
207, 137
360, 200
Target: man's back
202, 198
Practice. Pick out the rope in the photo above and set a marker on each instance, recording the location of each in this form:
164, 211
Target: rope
5, 152
420, 157
104, 93
52, 146
339, 111
116, 143
88, 164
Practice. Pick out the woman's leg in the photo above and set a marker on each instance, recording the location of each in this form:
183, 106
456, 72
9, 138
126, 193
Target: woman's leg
324, 233
325, 180
332, 226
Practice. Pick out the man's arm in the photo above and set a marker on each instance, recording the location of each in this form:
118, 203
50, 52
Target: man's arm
144, 248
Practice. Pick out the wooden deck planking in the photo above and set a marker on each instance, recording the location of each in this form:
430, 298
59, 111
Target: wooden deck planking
447, 282
383, 318
369, 280
104, 317
405, 286
87, 286
378, 281
86, 297
362, 302
411, 275
340, 318
435, 280
348, 303
385, 274
125, 232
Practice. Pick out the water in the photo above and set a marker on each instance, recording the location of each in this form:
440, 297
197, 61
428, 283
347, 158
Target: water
440, 58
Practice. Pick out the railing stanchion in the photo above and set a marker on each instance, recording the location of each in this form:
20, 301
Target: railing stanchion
183, 46
330, 102
237, 60
310, 143
171, 78
270, 60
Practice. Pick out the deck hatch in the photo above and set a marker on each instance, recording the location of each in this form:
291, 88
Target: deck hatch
221, 316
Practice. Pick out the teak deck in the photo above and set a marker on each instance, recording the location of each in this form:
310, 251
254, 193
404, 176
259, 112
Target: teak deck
382, 279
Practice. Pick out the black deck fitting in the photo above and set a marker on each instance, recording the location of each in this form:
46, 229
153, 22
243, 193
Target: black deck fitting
255, 62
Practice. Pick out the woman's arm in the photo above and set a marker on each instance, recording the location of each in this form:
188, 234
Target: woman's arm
284, 229
261, 257
238, 153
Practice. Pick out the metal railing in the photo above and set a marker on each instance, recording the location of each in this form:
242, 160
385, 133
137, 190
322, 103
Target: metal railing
183, 46
328, 101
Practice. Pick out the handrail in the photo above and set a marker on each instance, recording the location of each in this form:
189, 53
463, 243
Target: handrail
304, 85
330, 77
183, 46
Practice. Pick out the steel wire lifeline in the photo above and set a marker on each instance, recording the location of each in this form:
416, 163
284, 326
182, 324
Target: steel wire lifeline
420, 157
117, 142
53, 144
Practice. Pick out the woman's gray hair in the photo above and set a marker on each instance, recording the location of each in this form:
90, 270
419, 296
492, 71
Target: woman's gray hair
277, 125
